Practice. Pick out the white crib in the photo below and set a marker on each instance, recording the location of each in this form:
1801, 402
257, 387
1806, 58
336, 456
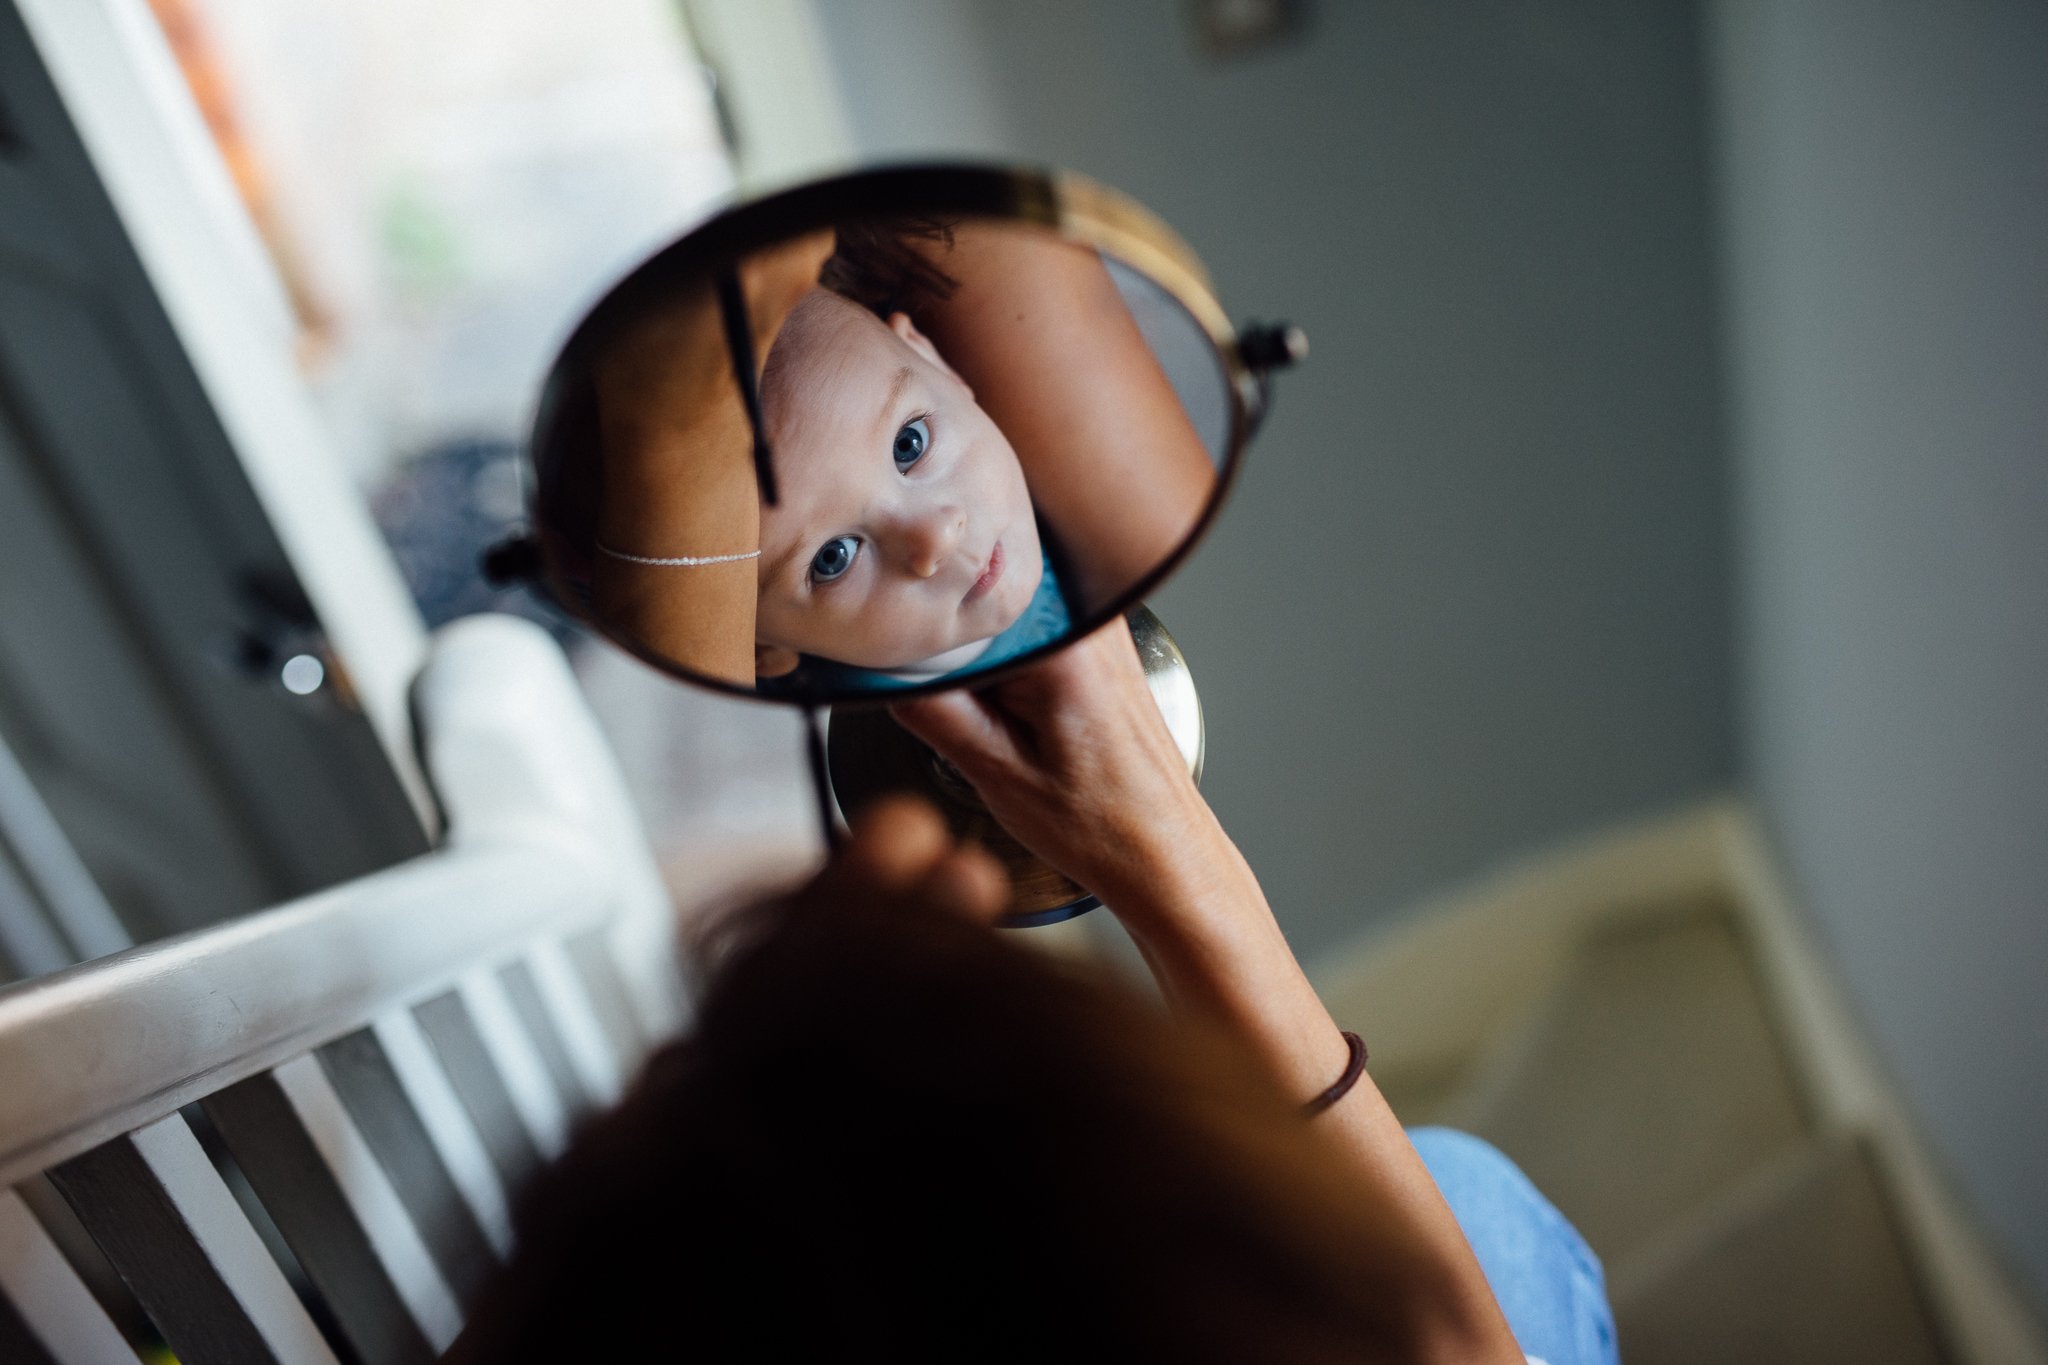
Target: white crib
381, 1064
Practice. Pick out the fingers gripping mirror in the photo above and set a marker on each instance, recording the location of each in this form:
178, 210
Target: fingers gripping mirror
889, 433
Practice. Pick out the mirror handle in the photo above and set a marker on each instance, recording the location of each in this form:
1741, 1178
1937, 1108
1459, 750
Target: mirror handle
821, 774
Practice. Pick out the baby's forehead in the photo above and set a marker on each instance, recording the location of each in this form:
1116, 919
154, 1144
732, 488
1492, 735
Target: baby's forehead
827, 392
829, 377
824, 336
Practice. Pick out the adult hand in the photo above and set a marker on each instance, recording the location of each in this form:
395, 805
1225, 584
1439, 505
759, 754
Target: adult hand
900, 853
1074, 759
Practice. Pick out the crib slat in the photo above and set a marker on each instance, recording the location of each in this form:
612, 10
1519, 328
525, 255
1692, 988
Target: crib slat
592, 956
640, 948
455, 1136
456, 1041
361, 1073
599, 1065
373, 1199
46, 1312
523, 994
167, 1223
518, 1060
303, 1195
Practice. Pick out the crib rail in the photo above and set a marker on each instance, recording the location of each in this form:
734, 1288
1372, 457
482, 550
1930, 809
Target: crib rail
111, 1045
296, 1137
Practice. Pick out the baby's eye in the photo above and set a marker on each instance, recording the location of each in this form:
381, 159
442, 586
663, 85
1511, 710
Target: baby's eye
834, 558
912, 441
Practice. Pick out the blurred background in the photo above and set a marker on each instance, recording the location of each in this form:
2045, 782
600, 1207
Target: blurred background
1623, 659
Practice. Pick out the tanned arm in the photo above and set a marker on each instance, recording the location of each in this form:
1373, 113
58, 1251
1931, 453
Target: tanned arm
678, 470
1073, 758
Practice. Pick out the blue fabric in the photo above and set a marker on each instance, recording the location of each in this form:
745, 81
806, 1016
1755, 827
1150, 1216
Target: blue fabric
1045, 619
1547, 1279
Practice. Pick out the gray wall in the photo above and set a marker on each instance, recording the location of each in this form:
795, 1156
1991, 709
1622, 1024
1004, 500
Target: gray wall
1471, 597
1886, 200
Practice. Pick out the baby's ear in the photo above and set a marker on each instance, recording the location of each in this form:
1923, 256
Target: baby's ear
902, 326
772, 661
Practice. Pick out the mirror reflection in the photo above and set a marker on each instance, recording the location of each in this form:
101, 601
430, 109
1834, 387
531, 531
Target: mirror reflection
964, 440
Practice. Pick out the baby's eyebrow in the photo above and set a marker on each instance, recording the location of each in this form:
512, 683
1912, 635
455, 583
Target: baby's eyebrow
889, 401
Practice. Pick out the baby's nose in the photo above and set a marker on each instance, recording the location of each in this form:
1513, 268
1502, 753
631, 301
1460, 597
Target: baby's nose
928, 541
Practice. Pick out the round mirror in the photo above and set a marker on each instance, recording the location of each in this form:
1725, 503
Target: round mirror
887, 433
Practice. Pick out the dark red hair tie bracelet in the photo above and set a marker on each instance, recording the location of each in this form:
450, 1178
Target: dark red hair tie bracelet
1353, 1069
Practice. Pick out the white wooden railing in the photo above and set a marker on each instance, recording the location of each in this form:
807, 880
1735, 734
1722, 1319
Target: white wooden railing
383, 1062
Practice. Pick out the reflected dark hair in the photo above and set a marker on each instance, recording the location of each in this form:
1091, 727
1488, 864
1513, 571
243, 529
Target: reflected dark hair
885, 265
908, 1137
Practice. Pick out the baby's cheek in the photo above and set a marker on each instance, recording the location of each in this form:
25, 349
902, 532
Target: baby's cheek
803, 626
887, 622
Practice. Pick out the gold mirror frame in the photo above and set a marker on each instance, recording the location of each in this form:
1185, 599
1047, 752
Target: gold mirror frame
1078, 209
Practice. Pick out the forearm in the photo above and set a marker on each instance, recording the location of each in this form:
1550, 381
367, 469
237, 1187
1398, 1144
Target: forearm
678, 475
685, 491
1195, 909
1197, 913
1075, 760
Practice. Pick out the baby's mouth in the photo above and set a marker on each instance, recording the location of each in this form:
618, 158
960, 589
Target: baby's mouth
988, 578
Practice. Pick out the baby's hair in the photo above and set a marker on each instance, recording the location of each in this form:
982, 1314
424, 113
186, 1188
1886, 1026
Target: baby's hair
880, 266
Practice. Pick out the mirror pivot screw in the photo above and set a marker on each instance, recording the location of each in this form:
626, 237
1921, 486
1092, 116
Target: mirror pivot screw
1272, 346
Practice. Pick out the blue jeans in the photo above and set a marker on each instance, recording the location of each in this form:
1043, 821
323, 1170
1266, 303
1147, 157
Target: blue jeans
1547, 1279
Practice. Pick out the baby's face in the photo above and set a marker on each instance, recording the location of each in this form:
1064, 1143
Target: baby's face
904, 529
